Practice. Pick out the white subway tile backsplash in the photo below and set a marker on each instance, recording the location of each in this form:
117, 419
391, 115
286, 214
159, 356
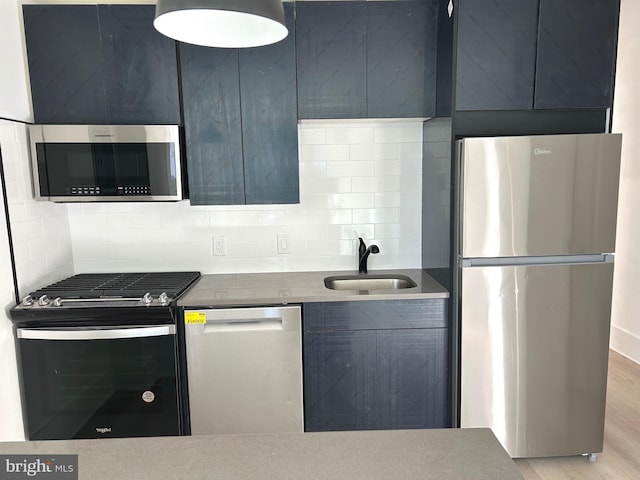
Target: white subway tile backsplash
387, 199
372, 151
410, 150
346, 232
350, 169
311, 136
399, 134
379, 184
387, 167
357, 178
349, 135
376, 215
350, 200
387, 230
316, 153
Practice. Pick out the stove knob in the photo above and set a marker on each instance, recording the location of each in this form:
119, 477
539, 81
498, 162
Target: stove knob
43, 301
147, 298
163, 298
57, 302
27, 301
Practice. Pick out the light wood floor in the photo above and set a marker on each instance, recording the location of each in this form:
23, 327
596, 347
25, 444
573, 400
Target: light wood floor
620, 459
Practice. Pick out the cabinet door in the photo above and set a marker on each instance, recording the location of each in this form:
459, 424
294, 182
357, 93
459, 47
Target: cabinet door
496, 49
269, 119
339, 385
331, 59
412, 379
401, 58
211, 98
140, 67
65, 63
576, 53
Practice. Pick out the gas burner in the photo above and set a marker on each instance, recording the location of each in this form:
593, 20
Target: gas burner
111, 289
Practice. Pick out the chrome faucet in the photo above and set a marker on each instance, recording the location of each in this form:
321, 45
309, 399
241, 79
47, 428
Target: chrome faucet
364, 253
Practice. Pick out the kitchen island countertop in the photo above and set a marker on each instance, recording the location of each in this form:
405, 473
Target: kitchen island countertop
371, 455
247, 289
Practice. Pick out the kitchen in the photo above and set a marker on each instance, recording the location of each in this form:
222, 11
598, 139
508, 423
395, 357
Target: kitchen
52, 240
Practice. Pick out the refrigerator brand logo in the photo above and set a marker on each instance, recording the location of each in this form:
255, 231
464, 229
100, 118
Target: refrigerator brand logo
103, 430
60, 467
542, 151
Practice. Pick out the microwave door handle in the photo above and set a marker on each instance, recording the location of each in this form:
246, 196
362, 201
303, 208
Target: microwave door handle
96, 333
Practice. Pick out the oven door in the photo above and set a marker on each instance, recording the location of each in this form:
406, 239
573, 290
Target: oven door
99, 382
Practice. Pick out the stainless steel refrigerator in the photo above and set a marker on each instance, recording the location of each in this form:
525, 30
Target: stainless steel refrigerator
536, 235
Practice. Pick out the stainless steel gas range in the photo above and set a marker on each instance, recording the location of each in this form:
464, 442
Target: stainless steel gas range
98, 356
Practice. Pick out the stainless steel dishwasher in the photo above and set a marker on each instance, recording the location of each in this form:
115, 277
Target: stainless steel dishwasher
244, 370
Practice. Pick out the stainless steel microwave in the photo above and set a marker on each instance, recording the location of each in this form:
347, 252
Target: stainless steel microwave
106, 163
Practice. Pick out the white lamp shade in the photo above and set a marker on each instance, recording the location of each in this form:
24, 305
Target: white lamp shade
222, 23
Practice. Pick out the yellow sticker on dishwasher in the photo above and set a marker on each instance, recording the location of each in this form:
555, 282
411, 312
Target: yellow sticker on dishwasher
192, 318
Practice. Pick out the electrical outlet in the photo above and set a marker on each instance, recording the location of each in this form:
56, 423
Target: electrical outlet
219, 246
284, 244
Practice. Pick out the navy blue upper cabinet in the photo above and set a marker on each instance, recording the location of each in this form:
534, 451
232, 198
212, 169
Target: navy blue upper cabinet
401, 58
141, 71
576, 53
100, 64
331, 59
269, 120
360, 59
65, 63
496, 51
240, 118
535, 54
213, 132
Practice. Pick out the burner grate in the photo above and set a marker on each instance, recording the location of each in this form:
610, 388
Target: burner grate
96, 285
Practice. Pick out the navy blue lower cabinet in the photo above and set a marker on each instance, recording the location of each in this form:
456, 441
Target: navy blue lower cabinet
368, 372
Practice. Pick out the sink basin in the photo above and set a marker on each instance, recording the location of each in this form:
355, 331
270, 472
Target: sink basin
368, 282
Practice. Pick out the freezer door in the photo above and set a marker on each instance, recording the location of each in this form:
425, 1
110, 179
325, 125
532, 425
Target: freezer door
534, 356
540, 195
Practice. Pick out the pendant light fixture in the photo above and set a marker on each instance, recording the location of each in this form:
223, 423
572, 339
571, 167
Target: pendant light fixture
222, 23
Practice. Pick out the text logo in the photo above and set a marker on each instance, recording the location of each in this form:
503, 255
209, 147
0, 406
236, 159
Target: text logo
103, 429
52, 467
542, 151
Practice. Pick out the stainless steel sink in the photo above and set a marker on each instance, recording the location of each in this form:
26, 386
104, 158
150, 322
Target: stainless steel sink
368, 282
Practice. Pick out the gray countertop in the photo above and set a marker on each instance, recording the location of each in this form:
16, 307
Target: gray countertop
393, 454
298, 287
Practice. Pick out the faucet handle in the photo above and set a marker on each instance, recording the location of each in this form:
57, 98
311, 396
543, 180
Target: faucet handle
362, 247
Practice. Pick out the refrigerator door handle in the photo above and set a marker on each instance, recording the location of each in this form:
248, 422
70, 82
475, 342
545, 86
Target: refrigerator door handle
542, 260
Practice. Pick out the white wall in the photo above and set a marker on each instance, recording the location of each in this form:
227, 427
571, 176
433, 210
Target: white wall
625, 332
14, 96
40, 230
10, 409
42, 252
360, 176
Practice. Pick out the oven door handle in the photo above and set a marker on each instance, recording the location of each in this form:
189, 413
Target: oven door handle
109, 333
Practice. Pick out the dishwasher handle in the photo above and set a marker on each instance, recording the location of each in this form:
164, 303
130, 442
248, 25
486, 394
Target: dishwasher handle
252, 319
245, 325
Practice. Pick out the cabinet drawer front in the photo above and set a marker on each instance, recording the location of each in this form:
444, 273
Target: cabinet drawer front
375, 315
